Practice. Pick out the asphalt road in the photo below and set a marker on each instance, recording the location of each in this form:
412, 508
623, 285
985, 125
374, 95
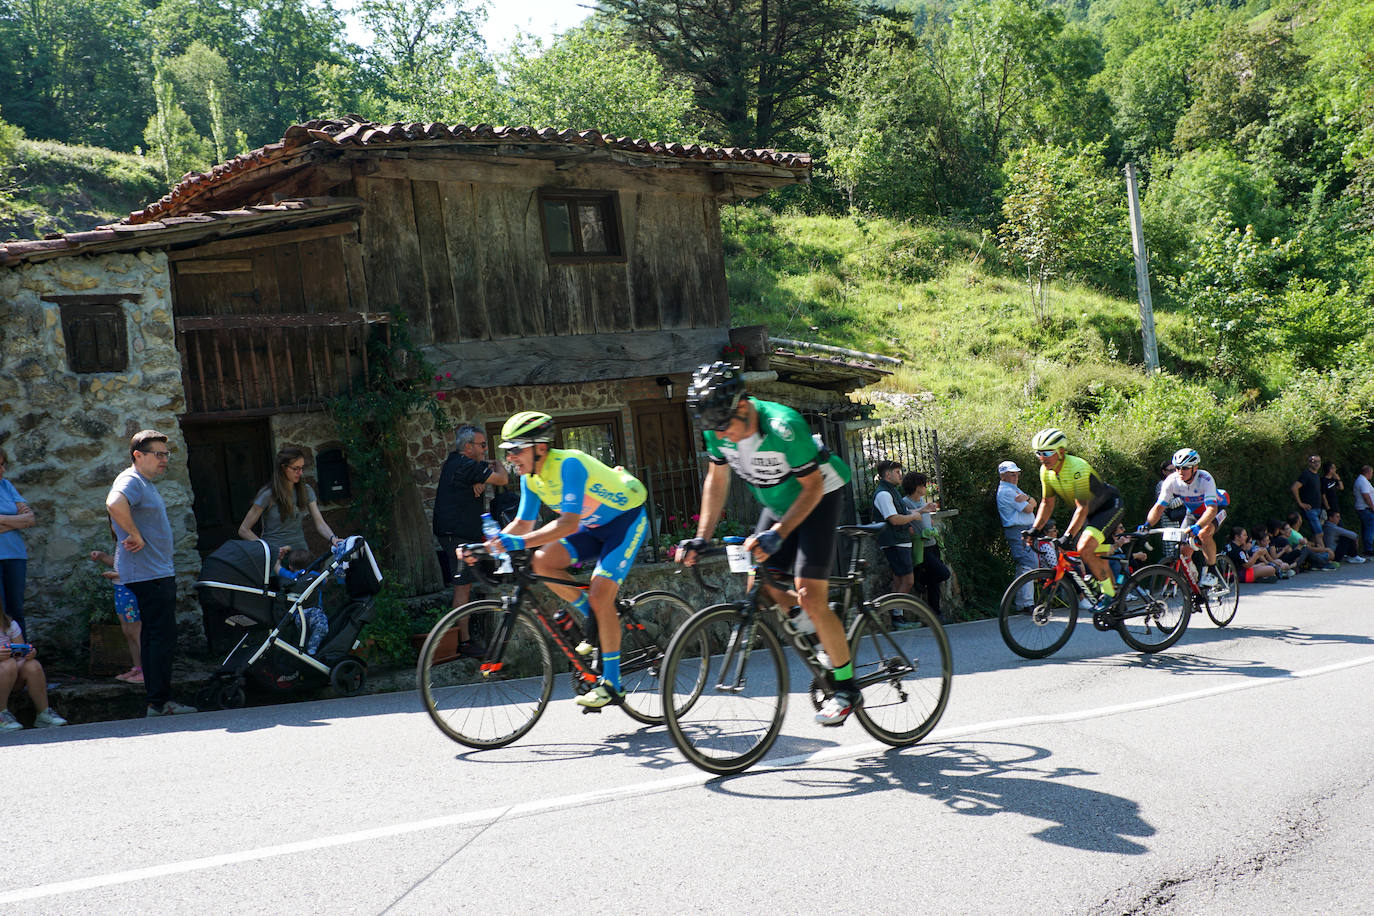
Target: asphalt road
1233, 773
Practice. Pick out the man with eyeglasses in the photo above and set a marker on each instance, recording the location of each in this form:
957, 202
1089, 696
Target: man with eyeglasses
143, 560
1096, 505
600, 517
458, 514
799, 483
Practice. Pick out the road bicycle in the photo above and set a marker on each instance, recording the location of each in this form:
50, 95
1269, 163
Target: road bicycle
1150, 612
736, 650
495, 698
1219, 601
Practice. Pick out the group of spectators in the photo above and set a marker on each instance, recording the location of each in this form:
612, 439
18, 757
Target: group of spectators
909, 540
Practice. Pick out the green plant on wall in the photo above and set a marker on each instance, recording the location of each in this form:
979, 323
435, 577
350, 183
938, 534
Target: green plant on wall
369, 424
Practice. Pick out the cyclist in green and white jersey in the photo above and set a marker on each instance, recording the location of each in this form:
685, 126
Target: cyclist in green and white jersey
770, 447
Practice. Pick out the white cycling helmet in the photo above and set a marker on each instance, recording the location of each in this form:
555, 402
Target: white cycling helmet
1186, 458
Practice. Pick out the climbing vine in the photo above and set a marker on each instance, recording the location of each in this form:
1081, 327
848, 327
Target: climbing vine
370, 422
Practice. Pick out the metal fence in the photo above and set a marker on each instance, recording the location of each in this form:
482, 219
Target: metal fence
674, 487
916, 447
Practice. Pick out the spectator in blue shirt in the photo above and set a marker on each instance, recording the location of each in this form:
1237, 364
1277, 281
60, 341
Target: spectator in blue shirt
1017, 509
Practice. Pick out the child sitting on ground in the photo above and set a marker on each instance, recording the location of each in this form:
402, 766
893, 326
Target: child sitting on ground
1248, 568
21, 666
288, 568
1264, 553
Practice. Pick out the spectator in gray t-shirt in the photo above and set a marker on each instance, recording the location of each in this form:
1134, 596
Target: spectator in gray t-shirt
143, 559
282, 504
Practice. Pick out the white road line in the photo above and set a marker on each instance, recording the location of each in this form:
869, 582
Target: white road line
693, 777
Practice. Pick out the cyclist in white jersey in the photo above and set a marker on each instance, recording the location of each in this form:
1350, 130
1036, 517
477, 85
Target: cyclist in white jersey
1198, 491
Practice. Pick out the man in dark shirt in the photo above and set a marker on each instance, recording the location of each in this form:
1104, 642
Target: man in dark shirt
458, 510
1307, 492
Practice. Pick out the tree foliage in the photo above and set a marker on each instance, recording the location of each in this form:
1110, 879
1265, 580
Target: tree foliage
1062, 212
759, 67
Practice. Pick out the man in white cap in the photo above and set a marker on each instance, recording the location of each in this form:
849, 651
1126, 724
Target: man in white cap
1017, 509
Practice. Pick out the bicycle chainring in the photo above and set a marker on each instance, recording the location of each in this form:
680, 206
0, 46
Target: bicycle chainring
1102, 620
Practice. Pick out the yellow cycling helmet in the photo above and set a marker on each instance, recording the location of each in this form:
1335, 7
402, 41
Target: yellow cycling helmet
1049, 440
526, 428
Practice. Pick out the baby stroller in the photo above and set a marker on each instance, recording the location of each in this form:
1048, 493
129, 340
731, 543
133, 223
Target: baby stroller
244, 604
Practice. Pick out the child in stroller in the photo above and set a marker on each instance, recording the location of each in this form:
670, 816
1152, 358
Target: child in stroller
266, 607
293, 566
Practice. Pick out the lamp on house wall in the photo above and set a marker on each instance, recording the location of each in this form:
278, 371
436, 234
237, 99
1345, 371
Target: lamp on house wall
667, 385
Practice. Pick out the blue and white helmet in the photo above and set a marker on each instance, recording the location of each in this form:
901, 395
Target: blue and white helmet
1186, 458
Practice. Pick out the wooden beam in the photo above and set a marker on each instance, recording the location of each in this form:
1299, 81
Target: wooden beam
320, 320
215, 266
92, 298
572, 359
267, 240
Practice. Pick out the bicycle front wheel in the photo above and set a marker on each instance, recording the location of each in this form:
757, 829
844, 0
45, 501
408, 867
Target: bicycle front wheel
647, 626
1043, 628
1223, 599
729, 723
905, 675
1154, 608
492, 700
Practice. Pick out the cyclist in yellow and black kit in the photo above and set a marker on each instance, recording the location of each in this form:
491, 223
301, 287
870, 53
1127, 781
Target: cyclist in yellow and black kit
1097, 507
600, 516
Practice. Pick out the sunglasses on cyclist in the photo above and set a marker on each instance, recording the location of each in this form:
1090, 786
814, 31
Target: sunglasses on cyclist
1050, 453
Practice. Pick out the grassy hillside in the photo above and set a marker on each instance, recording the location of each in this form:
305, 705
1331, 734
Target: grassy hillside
57, 188
938, 298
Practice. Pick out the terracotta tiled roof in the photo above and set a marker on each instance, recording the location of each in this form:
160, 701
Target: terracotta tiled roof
174, 229
356, 132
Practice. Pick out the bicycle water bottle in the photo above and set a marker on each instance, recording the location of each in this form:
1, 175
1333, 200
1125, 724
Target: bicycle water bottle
491, 529
566, 624
799, 622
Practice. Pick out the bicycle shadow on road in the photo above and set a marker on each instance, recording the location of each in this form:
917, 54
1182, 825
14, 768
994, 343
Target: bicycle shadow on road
973, 779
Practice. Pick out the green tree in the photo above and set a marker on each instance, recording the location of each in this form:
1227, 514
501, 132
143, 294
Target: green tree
415, 46
171, 137
1236, 80
1062, 212
891, 138
759, 68
75, 70
593, 77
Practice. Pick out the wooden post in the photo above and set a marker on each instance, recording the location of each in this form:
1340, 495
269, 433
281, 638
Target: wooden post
1142, 274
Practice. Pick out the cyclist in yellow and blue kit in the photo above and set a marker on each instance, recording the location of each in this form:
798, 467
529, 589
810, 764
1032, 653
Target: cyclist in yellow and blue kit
600, 516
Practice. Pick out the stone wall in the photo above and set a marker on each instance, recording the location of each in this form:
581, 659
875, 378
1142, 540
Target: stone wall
67, 434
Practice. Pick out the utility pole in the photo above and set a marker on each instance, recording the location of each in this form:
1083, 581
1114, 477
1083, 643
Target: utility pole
1142, 274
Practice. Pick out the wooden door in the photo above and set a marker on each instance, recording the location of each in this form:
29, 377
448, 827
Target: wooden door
228, 461
665, 459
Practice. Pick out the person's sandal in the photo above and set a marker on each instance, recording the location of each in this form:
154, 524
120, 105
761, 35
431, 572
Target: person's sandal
133, 676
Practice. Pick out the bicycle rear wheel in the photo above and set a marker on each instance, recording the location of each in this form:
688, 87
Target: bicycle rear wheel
729, 723
1222, 600
1154, 608
647, 626
493, 700
1042, 629
905, 675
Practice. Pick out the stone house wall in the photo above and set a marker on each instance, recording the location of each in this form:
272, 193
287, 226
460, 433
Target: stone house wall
67, 434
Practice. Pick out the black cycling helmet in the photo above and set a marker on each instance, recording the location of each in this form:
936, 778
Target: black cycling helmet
714, 393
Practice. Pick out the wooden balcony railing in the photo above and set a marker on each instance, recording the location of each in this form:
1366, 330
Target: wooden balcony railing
252, 365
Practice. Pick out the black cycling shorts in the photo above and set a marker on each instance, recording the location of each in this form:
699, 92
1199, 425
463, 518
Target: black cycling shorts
809, 551
1101, 522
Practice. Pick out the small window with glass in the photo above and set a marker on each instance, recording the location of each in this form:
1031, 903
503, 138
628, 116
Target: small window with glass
581, 225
